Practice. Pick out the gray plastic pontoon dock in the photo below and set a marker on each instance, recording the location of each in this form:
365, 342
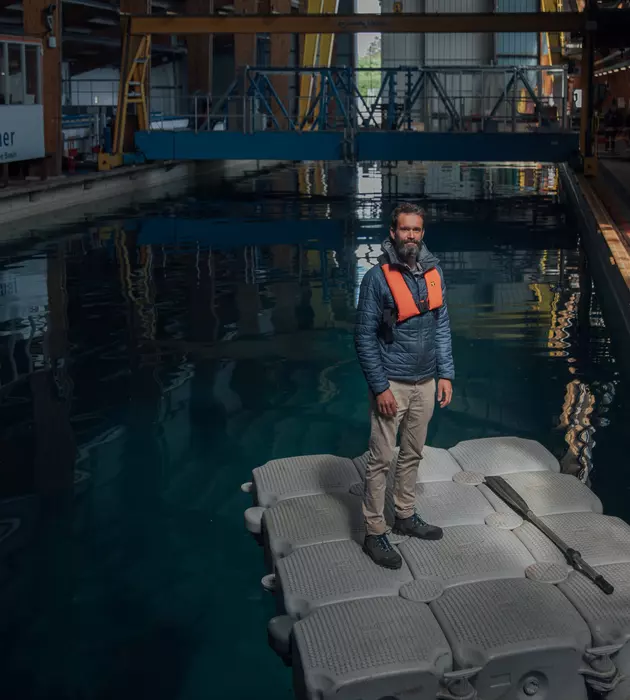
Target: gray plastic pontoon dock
490, 612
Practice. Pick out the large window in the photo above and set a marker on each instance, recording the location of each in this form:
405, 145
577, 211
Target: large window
20, 73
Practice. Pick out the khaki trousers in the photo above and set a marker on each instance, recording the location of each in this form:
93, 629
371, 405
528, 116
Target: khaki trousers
416, 402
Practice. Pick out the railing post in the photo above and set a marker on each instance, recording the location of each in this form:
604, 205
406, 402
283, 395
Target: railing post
482, 106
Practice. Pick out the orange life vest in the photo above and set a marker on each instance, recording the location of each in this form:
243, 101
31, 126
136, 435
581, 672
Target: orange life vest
405, 303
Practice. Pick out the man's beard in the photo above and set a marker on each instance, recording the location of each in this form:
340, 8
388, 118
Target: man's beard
407, 249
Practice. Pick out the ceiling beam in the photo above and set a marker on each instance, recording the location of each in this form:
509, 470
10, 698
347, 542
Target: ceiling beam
397, 23
114, 42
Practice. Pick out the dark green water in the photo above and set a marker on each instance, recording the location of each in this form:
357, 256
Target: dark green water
149, 361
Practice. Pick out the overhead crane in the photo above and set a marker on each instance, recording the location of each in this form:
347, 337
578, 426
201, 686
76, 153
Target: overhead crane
394, 23
597, 21
597, 27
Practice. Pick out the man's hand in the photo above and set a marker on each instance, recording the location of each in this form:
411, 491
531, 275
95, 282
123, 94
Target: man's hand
386, 403
444, 392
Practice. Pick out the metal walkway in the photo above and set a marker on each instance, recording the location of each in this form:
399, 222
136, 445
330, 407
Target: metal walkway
454, 113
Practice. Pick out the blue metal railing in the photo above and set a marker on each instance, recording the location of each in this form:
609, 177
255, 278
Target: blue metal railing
443, 98
446, 113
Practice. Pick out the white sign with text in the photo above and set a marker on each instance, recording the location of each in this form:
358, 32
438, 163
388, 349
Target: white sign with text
21, 132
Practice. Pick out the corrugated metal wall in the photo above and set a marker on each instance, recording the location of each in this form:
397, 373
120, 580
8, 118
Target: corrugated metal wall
442, 50
517, 48
438, 49
403, 49
459, 49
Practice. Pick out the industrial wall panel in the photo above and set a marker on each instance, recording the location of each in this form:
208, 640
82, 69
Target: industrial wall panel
402, 49
517, 5
519, 45
440, 50
458, 49
99, 87
517, 48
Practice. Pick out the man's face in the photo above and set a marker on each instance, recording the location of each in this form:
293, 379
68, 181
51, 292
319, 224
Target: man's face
408, 235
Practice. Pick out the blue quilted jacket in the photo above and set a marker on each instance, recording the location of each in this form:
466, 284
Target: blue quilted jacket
421, 346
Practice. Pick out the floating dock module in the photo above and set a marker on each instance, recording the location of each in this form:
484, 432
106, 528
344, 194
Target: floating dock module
492, 611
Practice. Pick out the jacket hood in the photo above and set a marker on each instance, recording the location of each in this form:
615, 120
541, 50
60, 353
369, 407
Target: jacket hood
426, 259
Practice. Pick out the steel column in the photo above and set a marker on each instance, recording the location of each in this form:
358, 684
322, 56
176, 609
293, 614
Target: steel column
280, 55
326, 46
35, 12
587, 137
200, 52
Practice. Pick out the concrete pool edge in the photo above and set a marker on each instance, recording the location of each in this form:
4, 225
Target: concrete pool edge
607, 256
20, 205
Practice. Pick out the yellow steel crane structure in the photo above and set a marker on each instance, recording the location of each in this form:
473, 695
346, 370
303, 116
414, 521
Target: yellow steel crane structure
553, 42
317, 53
133, 89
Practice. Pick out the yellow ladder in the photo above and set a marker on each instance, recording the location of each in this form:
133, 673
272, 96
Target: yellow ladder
133, 92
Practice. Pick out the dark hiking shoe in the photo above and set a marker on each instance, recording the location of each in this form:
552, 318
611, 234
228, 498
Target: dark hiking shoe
379, 549
416, 527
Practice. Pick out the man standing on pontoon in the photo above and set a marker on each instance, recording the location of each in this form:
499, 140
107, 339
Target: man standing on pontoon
403, 342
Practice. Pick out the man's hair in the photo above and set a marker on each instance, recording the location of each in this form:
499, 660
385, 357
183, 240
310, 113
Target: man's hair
405, 208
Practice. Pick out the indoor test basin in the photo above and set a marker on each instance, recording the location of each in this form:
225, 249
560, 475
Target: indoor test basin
153, 358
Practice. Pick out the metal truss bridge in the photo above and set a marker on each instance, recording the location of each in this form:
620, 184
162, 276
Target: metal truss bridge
445, 113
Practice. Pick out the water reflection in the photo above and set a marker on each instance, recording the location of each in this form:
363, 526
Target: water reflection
147, 364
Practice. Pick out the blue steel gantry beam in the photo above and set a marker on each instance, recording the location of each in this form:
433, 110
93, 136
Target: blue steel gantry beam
494, 131
596, 26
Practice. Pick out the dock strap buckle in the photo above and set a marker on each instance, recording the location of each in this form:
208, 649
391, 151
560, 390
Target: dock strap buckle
601, 674
456, 685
